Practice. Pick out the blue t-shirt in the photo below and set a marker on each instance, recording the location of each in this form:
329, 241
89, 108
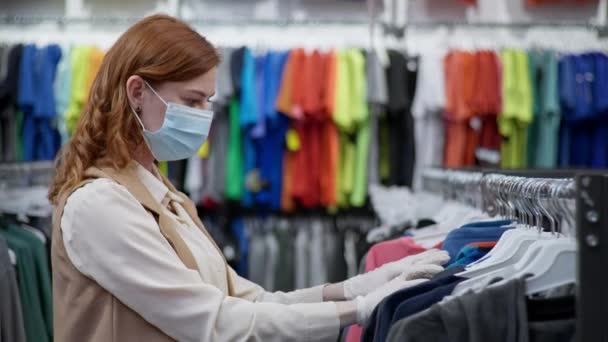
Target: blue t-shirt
469, 254
37, 71
599, 158
458, 238
239, 231
567, 91
271, 147
248, 114
584, 111
259, 130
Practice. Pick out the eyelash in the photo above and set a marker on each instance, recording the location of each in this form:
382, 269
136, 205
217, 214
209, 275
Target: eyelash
191, 103
194, 103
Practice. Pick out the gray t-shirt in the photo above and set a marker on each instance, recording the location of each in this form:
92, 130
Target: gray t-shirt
497, 314
224, 88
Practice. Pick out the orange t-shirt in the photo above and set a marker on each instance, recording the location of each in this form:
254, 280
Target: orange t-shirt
298, 86
314, 86
95, 60
284, 102
329, 164
291, 93
329, 94
461, 141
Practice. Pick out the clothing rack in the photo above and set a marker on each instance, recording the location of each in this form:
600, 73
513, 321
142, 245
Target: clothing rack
18, 173
111, 20
399, 30
387, 26
26, 166
590, 191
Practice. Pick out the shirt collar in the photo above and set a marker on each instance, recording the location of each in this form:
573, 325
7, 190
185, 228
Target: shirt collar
152, 182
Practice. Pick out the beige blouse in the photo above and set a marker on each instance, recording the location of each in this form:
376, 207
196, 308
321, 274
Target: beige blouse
111, 238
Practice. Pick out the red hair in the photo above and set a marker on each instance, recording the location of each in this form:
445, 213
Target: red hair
158, 48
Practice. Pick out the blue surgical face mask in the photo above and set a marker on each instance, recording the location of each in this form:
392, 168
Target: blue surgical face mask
183, 132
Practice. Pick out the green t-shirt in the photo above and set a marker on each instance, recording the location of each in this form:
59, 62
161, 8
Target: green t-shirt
234, 160
359, 193
517, 108
80, 73
28, 281
543, 133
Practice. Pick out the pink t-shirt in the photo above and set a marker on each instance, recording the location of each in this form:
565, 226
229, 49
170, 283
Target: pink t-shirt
380, 254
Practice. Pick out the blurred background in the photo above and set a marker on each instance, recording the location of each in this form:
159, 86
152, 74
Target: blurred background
327, 112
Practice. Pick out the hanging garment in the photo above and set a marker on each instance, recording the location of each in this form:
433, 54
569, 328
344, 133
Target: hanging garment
516, 110
302, 251
259, 81
427, 108
256, 257
285, 266
599, 158
378, 255
487, 106
214, 181
401, 76
543, 132
11, 314
469, 254
317, 271
273, 144
407, 302
41, 140
351, 116
10, 138
460, 137
329, 164
234, 162
496, 311
289, 100
80, 65
567, 95
580, 123
271, 249
62, 91
329, 94
35, 300
224, 87
474, 232
242, 236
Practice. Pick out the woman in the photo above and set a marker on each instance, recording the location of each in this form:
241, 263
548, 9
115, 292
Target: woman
131, 259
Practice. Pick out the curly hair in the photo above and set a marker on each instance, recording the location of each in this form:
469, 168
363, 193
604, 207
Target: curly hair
158, 48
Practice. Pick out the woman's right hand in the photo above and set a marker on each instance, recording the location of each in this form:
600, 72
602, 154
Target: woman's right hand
367, 304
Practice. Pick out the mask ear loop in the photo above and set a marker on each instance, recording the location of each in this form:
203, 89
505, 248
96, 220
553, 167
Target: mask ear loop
155, 93
137, 117
136, 112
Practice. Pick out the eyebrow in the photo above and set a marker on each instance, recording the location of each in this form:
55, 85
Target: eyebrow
199, 92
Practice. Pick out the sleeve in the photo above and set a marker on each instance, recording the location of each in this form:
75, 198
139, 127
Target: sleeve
251, 291
112, 239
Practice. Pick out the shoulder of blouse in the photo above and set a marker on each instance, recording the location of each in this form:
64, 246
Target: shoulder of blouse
97, 214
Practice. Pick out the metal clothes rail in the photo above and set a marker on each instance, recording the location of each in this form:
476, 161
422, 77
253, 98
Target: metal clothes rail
590, 191
28, 20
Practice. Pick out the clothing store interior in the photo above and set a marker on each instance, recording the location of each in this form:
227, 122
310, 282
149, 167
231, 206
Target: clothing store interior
348, 134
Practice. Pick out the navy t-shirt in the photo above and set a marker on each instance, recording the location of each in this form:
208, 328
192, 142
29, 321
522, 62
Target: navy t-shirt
420, 298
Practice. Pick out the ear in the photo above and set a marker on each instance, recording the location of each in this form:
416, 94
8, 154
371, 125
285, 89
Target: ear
135, 91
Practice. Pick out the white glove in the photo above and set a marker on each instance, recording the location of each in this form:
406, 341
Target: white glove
365, 283
366, 305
